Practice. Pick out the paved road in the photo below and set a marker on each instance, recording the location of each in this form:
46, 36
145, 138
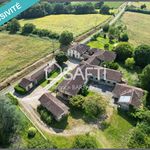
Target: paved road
121, 11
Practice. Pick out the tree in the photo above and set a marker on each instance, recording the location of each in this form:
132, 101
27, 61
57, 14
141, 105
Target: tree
28, 28
99, 5
145, 78
113, 33
123, 50
106, 46
84, 90
10, 122
124, 37
94, 106
129, 63
77, 101
61, 58
84, 142
142, 55
66, 38
143, 6
86, 8
111, 65
13, 26
106, 28
105, 10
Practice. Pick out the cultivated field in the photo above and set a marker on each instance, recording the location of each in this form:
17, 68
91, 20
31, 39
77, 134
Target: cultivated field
138, 26
76, 24
17, 52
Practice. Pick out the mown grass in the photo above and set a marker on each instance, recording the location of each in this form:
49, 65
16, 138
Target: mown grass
116, 135
100, 42
138, 27
77, 24
53, 75
113, 5
17, 52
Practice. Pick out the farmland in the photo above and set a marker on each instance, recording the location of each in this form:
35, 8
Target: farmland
77, 24
137, 27
17, 52
138, 4
113, 5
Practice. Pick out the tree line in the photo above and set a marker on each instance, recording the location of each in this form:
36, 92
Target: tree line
45, 8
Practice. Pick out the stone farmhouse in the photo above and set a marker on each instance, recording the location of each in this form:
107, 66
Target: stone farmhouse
29, 82
55, 106
92, 58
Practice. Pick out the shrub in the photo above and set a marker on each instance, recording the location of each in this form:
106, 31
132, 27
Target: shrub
106, 46
13, 26
44, 114
106, 28
31, 132
85, 142
145, 78
111, 65
104, 125
45, 33
123, 50
124, 37
14, 100
142, 55
129, 63
28, 28
20, 90
84, 91
105, 10
77, 101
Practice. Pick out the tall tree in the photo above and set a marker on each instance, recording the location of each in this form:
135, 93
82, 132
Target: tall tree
9, 121
13, 26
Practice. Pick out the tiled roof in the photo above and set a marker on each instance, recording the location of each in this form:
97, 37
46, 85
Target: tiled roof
73, 86
52, 104
126, 90
25, 82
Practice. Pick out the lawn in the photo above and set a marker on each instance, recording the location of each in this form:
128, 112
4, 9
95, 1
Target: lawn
77, 24
17, 52
113, 5
116, 135
138, 27
100, 43
52, 75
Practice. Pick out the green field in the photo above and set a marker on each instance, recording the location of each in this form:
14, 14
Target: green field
17, 52
100, 42
113, 5
138, 4
138, 27
116, 135
77, 24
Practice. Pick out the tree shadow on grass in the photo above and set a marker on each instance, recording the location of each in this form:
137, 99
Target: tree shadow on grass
125, 114
79, 114
59, 126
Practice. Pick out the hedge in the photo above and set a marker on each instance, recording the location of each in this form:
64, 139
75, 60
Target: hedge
20, 90
14, 100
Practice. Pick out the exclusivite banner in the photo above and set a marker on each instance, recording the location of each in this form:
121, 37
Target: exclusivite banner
14, 7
